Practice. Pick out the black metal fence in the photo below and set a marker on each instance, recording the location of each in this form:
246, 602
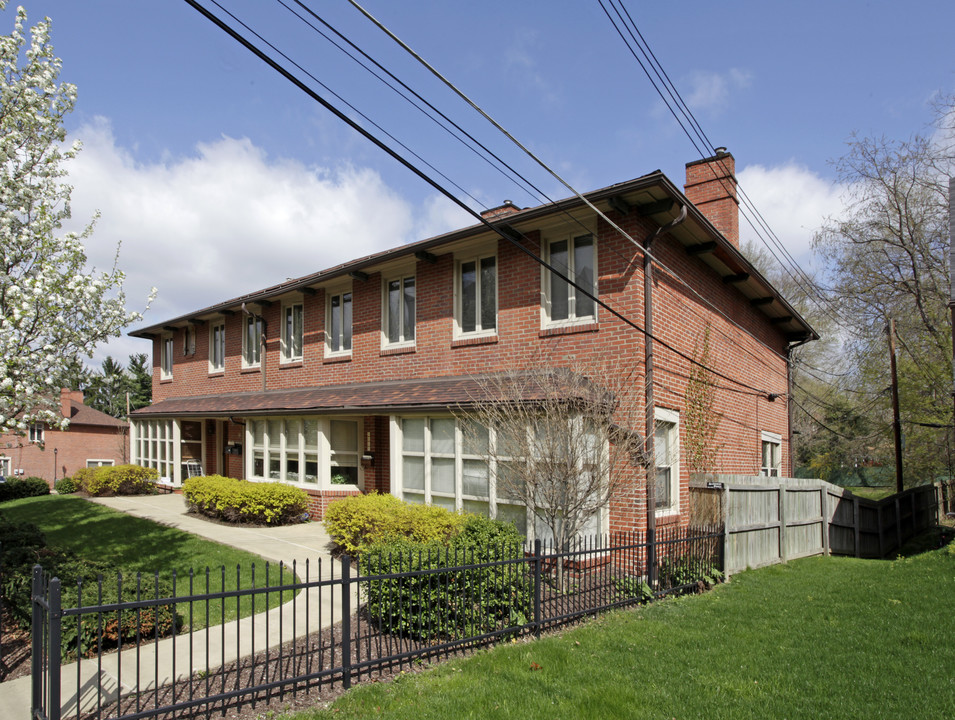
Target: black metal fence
337, 623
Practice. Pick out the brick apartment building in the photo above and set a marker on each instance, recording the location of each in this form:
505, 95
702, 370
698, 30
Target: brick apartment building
343, 381
92, 438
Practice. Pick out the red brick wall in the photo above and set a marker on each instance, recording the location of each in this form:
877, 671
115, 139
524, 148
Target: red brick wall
73, 448
747, 348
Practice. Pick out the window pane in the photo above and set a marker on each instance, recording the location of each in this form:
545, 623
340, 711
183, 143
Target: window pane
488, 293
475, 478
346, 322
559, 306
344, 474
409, 316
476, 438
291, 436
291, 469
275, 434
444, 502
661, 443
442, 475
412, 435
514, 514
311, 435
344, 436
442, 435
413, 498
584, 274
275, 467
258, 433
663, 487
311, 469
336, 314
477, 507
468, 297
412, 469
394, 311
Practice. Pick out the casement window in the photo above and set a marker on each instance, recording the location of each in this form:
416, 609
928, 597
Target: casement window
154, 445
475, 298
5, 467
36, 433
338, 326
399, 311
305, 450
343, 452
165, 357
251, 341
575, 259
771, 444
293, 331
189, 340
99, 463
217, 348
666, 447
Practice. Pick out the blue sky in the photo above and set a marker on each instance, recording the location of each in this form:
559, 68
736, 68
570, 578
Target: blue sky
218, 177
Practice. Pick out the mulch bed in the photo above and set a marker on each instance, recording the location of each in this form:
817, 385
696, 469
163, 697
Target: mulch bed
15, 649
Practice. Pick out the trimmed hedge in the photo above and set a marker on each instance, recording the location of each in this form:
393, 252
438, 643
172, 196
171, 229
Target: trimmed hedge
458, 603
243, 501
120, 480
360, 520
65, 486
16, 488
22, 545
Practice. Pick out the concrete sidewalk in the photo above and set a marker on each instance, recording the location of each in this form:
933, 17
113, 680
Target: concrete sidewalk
87, 682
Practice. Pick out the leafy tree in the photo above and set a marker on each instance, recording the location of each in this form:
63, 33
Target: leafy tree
54, 309
141, 377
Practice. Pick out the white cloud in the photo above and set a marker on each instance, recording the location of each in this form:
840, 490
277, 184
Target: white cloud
793, 200
710, 91
227, 220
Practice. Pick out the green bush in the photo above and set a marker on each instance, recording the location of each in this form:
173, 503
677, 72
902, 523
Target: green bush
121, 480
22, 546
457, 602
65, 486
82, 476
16, 488
242, 501
360, 520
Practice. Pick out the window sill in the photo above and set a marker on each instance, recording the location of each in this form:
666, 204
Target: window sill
216, 373
285, 364
248, 370
668, 517
557, 330
165, 380
331, 359
476, 340
398, 350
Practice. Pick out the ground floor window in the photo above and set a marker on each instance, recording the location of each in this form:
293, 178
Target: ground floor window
5, 466
154, 445
99, 463
771, 454
666, 448
312, 451
444, 461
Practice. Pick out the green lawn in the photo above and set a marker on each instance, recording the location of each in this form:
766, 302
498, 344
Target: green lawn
99, 533
872, 493
817, 638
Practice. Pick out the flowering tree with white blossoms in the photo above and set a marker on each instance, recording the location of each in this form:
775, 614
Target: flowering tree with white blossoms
54, 309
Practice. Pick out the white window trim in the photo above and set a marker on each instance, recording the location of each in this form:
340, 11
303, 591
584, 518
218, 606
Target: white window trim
213, 326
37, 433
385, 327
329, 295
99, 462
671, 416
6, 466
572, 318
246, 320
476, 258
774, 439
166, 352
286, 356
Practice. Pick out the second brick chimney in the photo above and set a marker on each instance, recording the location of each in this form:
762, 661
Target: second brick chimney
67, 397
711, 186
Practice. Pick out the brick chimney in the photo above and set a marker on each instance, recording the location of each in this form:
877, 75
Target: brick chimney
711, 186
496, 213
66, 396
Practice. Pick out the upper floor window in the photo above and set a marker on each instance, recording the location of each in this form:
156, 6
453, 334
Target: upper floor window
666, 448
574, 258
771, 454
252, 341
476, 296
165, 357
217, 347
293, 330
189, 340
36, 433
338, 331
399, 314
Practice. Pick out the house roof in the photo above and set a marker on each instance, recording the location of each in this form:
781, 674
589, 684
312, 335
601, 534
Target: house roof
81, 414
374, 397
652, 195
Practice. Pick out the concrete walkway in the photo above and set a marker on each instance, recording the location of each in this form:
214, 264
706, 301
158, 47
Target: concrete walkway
288, 544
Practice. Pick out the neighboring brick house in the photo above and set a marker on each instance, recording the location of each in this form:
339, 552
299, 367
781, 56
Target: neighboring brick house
91, 439
343, 381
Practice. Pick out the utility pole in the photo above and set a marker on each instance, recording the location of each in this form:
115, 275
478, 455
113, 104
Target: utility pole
896, 420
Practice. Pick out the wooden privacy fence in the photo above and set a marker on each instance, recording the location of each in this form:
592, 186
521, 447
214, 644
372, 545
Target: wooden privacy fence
772, 520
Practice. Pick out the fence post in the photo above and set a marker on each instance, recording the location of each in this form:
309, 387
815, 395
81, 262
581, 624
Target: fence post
56, 619
824, 509
855, 524
725, 512
36, 659
346, 622
783, 555
538, 585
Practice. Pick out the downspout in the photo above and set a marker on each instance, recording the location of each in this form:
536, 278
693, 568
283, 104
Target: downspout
650, 450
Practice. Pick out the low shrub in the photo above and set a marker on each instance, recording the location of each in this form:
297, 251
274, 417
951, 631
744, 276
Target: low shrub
121, 480
459, 602
65, 486
22, 545
360, 520
243, 501
82, 476
16, 488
